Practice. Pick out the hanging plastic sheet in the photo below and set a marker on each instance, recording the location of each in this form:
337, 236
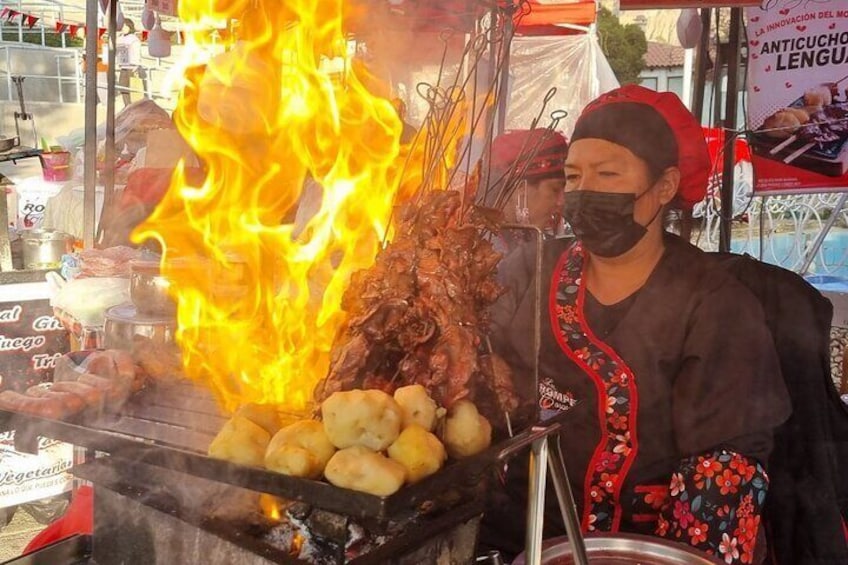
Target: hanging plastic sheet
574, 64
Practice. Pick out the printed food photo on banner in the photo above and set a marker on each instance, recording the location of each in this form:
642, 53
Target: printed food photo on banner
797, 91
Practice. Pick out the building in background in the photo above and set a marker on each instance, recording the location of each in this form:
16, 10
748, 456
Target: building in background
663, 68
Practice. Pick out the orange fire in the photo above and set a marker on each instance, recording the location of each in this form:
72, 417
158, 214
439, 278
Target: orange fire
258, 300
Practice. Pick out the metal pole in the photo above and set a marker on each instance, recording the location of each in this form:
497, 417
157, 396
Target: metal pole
717, 74
503, 89
8, 73
567, 506
688, 63
701, 58
20, 22
77, 76
536, 501
59, 78
730, 108
109, 153
814, 248
90, 168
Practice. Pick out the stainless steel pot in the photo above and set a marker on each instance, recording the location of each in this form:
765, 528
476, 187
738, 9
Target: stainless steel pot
149, 289
623, 549
43, 249
125, 325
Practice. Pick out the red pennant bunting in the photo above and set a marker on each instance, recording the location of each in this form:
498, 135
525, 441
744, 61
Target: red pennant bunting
101, 31
4, 12
30, 21
73, 29
144, 35
61, 28
12, 15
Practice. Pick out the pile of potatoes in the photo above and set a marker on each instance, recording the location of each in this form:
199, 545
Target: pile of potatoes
367, 440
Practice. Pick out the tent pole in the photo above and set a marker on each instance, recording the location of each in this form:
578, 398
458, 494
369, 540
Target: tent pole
718, 68
701, 57
503, 89
109, 149
730, 106
90, 151
488, 123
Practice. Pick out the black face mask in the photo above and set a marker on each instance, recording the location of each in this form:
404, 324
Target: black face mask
603, 221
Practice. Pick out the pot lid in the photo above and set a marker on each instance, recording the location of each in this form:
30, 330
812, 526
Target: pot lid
128, 313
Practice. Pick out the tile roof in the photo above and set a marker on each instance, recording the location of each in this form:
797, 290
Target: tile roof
663, 55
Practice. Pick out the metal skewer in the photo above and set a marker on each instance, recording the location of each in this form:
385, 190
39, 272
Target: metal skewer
783, 145
799, 152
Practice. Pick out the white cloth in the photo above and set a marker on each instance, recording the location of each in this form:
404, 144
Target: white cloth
128, 51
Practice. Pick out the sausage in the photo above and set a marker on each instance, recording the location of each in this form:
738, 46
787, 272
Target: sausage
91, 395
45, 407
73, 404
115, 365
102, 364
115, 394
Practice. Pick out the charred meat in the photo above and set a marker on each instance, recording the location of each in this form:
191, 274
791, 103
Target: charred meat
420, 314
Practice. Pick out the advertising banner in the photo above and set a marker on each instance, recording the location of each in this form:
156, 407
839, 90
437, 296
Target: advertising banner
26, 478
676, 4
797, 95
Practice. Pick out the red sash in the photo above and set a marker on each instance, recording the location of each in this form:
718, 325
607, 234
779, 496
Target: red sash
616, 388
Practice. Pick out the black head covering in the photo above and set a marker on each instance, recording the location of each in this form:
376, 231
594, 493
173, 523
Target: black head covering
638, 127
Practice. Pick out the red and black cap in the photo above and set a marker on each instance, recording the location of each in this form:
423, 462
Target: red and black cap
657, 128
535, 154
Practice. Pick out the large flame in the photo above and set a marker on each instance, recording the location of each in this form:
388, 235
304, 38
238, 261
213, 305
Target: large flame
258, 304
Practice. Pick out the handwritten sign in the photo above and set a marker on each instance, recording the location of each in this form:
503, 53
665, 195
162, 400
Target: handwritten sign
31, 340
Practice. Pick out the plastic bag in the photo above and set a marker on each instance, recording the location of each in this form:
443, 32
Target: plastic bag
87, 300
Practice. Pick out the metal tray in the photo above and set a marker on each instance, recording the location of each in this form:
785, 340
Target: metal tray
828, 151
134, 439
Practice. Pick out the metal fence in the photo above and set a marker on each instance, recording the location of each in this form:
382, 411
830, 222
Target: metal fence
56, 75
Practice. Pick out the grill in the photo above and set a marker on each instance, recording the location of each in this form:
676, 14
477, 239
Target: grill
157, 464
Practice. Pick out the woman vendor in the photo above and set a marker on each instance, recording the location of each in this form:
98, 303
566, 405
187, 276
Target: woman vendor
662, 357
527, 168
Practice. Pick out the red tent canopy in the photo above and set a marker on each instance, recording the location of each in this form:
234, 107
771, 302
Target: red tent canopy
544, 15
536, 17
717, 145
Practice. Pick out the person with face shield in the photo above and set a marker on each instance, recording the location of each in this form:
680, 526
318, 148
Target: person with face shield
527, 181
662, 357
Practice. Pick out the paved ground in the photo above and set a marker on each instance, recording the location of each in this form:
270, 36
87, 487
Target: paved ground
15, 536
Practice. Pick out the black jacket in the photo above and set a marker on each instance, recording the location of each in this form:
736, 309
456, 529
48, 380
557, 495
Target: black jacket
808, 493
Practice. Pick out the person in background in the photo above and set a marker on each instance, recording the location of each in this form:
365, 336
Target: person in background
409, 132
661, 357
531, 162
128, 61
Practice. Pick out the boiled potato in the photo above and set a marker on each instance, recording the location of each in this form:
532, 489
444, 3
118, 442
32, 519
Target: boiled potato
359, 468
467, 432
369, 418
418, 407
419, 451
263, 415
240, 441
301, 449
